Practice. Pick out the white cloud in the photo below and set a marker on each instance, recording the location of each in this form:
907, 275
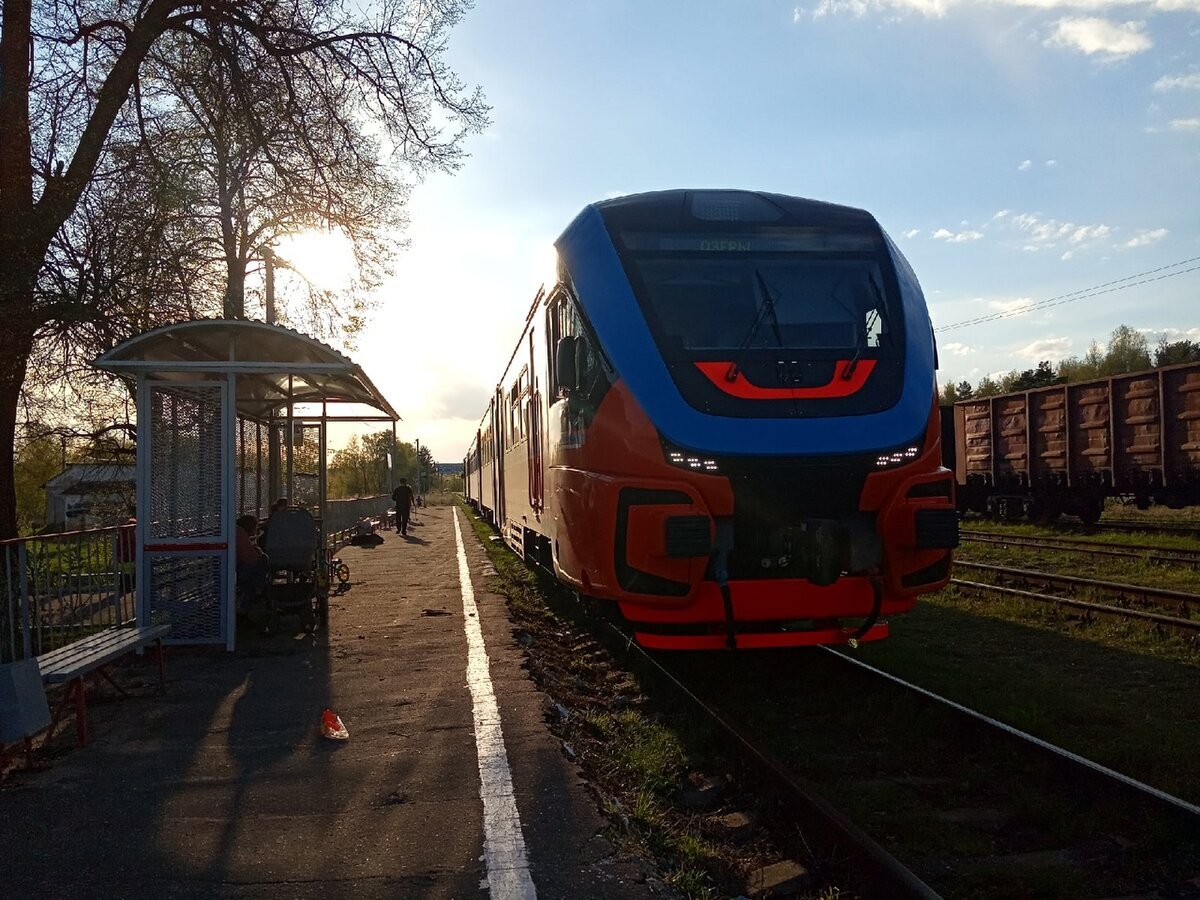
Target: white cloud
1145, 238
1051, 163
1047, 234
1000, 215
960, 237
1024, 165
1184, 124
1013, 306
1092, 35
956, 348
1052, 349
912, 232
1186, 82
1089, 233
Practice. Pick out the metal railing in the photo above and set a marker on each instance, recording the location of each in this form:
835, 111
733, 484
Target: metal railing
59, 588
343, 515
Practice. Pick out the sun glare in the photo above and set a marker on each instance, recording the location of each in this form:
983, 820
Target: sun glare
325, 258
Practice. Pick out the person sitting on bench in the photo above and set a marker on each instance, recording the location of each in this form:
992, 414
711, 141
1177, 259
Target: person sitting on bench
253, 567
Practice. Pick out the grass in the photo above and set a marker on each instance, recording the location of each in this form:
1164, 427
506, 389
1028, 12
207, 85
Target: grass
1115, 693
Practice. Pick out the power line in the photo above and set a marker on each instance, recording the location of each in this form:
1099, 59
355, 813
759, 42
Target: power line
1108, 287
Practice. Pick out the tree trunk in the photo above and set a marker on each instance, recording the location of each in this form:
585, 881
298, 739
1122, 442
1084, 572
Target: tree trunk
16, 343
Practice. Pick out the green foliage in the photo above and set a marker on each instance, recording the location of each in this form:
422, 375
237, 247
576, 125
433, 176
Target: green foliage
1127, 352
987, 387
1172, 353
35, 463
360, 468
1042, 376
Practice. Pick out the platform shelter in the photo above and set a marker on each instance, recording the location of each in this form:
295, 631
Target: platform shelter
232, 414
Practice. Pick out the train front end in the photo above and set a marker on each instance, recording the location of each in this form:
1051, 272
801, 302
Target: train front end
761, 466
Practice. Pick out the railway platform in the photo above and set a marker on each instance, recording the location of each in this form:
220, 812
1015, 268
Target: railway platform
449, 785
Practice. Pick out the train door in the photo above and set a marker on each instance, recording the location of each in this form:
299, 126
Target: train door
537, 490
479, 452
501, 441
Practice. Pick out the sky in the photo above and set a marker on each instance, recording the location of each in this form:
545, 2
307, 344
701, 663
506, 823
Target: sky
1020, 152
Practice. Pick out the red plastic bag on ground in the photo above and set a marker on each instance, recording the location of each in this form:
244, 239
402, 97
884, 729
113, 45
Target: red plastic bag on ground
332, 727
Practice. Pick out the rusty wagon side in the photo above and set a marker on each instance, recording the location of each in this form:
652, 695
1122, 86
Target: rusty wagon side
1065, 448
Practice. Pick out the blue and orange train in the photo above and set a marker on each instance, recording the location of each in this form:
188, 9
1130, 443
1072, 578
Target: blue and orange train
722, 416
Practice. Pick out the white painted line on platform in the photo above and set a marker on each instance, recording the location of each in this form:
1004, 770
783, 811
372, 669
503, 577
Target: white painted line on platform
507, 866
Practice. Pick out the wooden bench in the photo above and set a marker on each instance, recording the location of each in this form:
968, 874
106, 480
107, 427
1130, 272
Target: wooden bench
89, 656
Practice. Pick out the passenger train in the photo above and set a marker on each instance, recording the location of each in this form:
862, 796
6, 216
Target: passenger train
723, 417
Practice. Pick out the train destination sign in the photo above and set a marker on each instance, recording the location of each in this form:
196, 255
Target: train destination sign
773, 241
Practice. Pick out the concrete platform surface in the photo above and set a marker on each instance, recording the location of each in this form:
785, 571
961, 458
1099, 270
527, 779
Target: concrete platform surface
225, 788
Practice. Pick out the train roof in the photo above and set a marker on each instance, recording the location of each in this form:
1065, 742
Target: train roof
721, 208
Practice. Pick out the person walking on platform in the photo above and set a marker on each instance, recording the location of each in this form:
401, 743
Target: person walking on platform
403, 495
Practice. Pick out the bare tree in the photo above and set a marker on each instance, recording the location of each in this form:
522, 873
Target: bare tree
70, 69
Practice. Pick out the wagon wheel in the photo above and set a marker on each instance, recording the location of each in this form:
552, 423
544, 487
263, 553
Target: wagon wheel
1091, 511
343, 572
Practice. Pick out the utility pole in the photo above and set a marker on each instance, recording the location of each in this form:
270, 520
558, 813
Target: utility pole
269, 262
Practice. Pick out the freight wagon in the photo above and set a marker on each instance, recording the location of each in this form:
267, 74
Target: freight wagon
1066, 448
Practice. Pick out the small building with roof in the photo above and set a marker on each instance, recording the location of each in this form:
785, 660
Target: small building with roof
90, 494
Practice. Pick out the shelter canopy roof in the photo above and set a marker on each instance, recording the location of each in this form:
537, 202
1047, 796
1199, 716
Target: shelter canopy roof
276, 367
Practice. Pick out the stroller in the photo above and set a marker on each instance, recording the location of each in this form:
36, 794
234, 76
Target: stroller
292, 546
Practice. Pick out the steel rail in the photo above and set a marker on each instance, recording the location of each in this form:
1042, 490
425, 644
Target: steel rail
1170, 800
1156, 618
1127, 525
1127, 551
1184, 597
884, 874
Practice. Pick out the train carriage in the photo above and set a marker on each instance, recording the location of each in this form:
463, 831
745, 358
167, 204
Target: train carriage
722, 416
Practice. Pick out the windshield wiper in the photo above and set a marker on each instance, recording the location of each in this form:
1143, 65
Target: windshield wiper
768, 308
860, 346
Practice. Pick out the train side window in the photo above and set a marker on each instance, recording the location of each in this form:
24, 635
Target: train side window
518, 429
591, 377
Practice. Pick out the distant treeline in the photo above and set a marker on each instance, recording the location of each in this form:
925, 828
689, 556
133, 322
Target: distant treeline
1127, 351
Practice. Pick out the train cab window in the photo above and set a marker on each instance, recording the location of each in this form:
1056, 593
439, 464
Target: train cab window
591, 376
783, 306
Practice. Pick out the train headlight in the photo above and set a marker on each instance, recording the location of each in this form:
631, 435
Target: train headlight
685, 459
898, 457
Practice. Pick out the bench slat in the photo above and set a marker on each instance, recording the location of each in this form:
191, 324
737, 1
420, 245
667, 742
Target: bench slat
80, 657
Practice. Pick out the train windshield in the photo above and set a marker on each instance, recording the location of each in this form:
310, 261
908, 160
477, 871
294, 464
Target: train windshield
733, 292
785, 307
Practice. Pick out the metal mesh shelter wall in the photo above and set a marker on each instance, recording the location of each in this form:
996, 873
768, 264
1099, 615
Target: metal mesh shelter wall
184, 574
253, 467
185, 467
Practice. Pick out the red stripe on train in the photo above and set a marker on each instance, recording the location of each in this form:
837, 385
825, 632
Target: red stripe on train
838, 386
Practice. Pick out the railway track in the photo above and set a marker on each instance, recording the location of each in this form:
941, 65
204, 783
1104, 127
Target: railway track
1184, 529
977, 808
1181, 528
1091, 548
1129, 601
